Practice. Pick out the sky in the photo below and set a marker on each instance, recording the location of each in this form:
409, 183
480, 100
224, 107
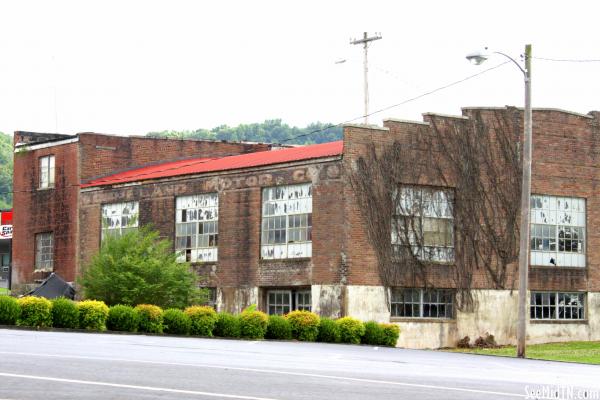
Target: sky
131, 67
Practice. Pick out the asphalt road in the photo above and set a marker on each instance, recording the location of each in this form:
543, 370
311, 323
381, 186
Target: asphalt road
56, 365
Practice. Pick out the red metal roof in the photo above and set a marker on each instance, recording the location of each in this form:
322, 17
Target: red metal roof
204, 165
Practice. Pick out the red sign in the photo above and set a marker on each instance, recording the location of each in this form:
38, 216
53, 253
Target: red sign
6, 217
6, 228
5, 231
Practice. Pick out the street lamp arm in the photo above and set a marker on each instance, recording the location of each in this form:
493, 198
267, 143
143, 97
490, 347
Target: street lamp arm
513, 60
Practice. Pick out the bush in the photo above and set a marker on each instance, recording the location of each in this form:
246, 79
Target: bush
65, 313
373, 334
150, 318
92, 315
391, 333
486, 342
279, 328
176, 322
227, 325
122, 318
204, 319
329, 331
305, 325
9, 310
35, 311
464, 343
140, 268
351, 330
253, 324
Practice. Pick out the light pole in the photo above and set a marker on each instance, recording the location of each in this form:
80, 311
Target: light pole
478, 58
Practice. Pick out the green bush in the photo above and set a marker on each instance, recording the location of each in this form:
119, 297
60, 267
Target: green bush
65, 313
9, 310
253, 324
150, 318
92, 315
373, 334
204, 319
176, 322
227, 325
329, 331
122, 318
35, 311
351, 330
305, 325
279, 328
391, 333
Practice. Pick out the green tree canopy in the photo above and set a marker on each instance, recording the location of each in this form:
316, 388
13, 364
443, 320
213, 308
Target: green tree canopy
6, 171
140, 268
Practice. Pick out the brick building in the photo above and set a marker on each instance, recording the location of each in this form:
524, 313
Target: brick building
282, 228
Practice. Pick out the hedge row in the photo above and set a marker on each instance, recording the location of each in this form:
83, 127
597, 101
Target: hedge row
195, 320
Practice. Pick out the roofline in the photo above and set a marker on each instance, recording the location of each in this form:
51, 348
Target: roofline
434, 114
50, 143
366, 126
406, 121
542, 109
318, 160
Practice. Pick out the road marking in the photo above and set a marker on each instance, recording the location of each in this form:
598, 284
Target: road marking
123, 386
269, 371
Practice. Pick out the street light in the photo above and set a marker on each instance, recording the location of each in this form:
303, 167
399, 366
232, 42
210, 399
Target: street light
478, 58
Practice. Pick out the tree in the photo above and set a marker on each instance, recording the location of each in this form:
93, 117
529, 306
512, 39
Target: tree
6, 171
140, 268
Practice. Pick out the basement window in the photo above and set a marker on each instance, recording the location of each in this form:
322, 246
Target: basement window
119, 218
287, 222
46, 172
281, 302
197, 228
44, 251
422, 303
557, 306
423, 223
557, 236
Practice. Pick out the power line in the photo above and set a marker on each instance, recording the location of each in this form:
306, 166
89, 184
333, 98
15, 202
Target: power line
411, 99
573, 60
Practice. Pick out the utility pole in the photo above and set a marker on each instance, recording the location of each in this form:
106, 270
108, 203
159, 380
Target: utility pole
365, 42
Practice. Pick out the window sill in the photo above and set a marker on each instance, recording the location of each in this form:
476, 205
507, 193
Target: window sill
285, 260
559, 321
43, 270
46, 188
427, 320
560, 267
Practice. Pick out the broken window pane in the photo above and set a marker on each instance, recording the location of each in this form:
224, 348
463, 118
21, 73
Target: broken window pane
197, 227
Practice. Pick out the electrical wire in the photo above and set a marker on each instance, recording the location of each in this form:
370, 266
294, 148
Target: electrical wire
572, 60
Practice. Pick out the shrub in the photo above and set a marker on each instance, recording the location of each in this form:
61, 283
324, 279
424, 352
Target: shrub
65, 313
92, 315
140, 268
305, 325
150, 318
204, 319
227, 325
351, 330
35, 311
487, 341
279, 328
464, 343
122, 318
9, 310
373, 334
329, 331
253, 324
176, 322
391, 333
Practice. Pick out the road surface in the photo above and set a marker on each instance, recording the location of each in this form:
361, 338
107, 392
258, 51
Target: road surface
59, 365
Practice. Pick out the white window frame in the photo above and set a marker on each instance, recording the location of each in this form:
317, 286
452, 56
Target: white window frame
423, 205
119, 218
295, 301
419, 304
44, 251
555, 303
557, 222
197, 227
286, 211
46, 169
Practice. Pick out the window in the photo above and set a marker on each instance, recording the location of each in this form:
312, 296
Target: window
119, 218
211, 299
421, 303
46, 172
281, 302
44, 251
557, 231
287, 222
197, 227
424, 222
557, 306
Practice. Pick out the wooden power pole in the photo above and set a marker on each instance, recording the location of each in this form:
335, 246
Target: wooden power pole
365, 42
